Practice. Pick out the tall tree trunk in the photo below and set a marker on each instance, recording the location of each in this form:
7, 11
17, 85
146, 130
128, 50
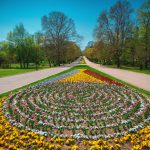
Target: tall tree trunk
49, 62
24, 65
27, 65
118, 62
133, 63
118, 59
20, 64
146, 58
141, 65
9, 65
146, 64
36, 66
133, 56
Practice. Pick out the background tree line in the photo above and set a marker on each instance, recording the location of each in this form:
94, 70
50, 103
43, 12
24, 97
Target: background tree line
121, 38
55, 44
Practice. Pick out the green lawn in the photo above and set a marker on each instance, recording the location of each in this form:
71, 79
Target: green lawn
15, 69
134, 69
31, 66
10, 72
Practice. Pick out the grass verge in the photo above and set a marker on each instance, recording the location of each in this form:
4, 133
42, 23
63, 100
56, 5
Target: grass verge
136, 70
10, 72
133, 69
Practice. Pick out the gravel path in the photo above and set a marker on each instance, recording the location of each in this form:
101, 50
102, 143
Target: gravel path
16, 81
137, 79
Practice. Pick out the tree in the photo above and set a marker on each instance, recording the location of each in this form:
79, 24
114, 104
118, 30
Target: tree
16, 38
130, 52
114, 27
99, 52
18, 33
26, 46
144, 24
39, 38
58, 28
36, 55
71, 52
48, 49
3, 58
7, 53
90, 44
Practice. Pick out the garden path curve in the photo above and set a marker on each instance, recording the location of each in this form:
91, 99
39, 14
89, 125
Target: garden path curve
137, 79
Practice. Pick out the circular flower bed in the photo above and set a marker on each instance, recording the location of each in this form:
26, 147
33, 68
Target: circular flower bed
81, 110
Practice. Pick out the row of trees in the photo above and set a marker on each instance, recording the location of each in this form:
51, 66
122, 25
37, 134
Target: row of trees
119, 40
56, 43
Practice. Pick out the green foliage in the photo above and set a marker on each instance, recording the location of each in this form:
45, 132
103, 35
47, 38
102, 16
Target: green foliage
119, 41
60, 34
25, 49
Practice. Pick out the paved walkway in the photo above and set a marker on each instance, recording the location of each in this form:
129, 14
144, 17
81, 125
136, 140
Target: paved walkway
12, 82
16, 81
138, 79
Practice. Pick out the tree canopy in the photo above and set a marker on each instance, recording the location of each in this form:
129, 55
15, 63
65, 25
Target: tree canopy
119, 40
56, 43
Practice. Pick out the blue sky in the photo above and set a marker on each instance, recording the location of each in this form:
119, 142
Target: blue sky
29, 12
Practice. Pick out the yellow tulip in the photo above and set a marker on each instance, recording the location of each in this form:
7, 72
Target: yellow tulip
74, 147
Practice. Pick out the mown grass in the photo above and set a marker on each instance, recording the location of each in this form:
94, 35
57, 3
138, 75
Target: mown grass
134, 69
81, 67
15, 69
31, 65
10, 72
